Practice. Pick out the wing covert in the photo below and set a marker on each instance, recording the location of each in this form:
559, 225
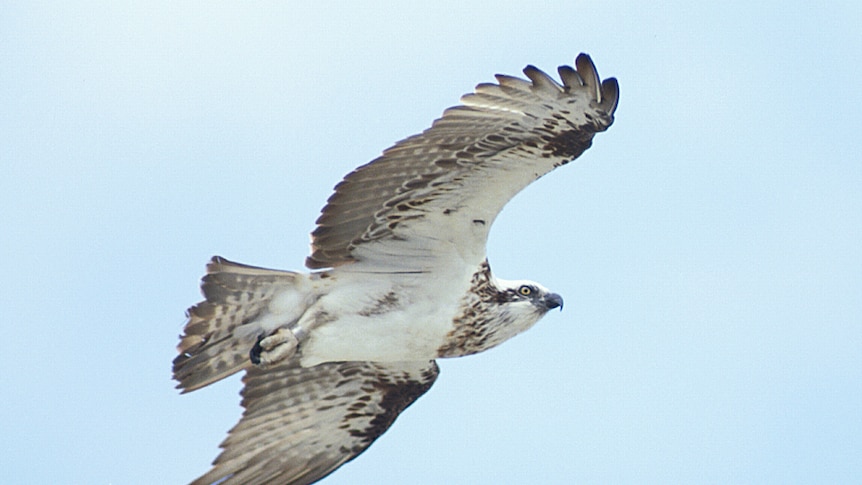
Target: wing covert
300, 424
471, 161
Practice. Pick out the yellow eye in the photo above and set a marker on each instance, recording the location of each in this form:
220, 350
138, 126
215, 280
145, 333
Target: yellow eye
525, 290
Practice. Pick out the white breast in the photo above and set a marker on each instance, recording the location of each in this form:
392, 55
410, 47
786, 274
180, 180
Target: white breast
382, 317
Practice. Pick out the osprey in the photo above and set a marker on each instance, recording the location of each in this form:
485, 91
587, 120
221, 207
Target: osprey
399, 278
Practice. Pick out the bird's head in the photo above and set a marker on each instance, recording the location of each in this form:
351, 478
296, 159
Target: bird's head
496, 310
528, 296
520, 304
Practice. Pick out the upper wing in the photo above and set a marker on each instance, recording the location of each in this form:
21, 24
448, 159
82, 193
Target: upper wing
300, 424
444, 187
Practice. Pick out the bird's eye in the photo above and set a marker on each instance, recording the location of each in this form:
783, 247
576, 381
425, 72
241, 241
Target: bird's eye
525, 290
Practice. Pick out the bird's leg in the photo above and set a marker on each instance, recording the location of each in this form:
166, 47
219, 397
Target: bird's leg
272, 349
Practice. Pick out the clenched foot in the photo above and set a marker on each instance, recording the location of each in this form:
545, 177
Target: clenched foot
273, 349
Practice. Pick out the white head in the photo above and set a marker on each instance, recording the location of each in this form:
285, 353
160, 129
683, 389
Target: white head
526, 297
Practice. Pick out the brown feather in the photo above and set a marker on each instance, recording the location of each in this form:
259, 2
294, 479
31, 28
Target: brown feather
300, 424
234, 295
538, 123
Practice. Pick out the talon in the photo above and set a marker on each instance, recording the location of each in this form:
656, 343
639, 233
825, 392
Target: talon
254, 353
275, 348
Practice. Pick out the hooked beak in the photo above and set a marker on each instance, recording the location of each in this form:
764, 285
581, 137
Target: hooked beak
553, 300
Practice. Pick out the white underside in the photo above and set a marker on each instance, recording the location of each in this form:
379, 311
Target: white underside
427, 274
342, 317
413, 328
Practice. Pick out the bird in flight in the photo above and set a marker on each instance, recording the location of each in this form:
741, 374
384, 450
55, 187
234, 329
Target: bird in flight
399, 278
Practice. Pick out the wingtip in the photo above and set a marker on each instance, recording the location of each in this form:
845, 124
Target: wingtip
610, 94
570, 77
607, 92
216, 263
540, 79
587, 71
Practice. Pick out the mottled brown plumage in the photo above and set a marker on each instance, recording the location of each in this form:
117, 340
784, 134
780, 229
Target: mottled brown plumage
307, 422
510, 121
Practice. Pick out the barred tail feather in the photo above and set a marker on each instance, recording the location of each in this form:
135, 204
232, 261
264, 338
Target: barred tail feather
235, 294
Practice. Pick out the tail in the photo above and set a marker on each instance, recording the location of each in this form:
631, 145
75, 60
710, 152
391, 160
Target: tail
213, 346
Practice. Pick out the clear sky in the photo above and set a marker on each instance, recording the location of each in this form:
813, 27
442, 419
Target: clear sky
708, 245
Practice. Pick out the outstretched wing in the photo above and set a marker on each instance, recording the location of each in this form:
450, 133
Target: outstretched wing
442, 189
300, 424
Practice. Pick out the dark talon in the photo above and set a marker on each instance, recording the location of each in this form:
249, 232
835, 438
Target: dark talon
254, 353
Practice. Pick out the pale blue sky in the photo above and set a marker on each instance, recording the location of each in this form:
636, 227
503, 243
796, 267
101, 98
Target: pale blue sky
708, 245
